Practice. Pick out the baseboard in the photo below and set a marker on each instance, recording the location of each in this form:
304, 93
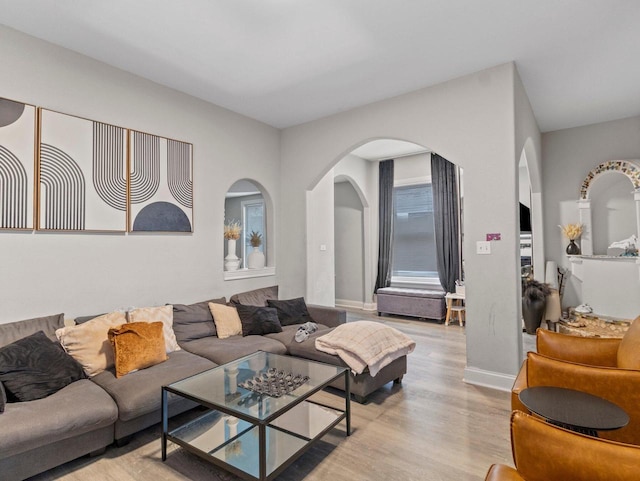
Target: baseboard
370, 306
348, 303
494, 380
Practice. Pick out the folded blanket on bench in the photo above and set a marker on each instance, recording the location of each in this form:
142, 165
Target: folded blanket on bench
366, 343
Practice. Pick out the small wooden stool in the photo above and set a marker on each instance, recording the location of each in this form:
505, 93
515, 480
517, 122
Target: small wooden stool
455, 307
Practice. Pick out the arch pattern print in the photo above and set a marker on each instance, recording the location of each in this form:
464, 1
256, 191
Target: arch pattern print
161, 198
83, 184
630, 168
145, 166
13, 190
62, 190
179, 172
17, 164
109, 178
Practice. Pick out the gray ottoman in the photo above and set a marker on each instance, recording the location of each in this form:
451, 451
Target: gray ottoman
429, 304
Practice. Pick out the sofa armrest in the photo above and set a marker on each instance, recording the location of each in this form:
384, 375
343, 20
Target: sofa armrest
502, 472
329, 316
593, 351
518, 386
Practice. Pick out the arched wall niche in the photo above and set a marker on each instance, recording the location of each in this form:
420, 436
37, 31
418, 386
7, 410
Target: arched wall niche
630, 169
242, 194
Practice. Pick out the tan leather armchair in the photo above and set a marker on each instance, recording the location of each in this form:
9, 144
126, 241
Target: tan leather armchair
609, 368
543, 452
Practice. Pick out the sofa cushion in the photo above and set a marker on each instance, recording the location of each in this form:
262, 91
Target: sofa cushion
226, 319
288, 334
256, 297
257, 321
194, 321
88, 343
12, 331
139, 392
307, 350
137, 345
83, 319
629, 348
76, 409
36, 367
291, 311
162, 314
222, 351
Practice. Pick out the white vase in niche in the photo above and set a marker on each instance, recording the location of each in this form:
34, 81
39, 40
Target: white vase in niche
256, 259
232, 261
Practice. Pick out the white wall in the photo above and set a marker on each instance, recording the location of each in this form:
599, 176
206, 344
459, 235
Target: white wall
469, 121
406, 169
349, 245
569, 155
320, 266
363, 176
44, 273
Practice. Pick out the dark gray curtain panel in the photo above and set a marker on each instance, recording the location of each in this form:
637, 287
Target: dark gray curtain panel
445, 214
385, 223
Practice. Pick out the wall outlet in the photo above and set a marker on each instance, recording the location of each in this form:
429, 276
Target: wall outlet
483, 247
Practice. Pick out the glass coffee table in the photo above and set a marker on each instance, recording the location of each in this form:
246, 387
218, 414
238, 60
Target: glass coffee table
256, 435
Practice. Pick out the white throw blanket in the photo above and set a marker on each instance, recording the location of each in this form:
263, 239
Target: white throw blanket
366, 343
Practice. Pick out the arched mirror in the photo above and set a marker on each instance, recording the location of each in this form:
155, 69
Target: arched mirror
610, 206
246, 213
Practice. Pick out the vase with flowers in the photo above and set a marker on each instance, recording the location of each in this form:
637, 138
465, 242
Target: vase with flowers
255, 260
572, 232
232, 231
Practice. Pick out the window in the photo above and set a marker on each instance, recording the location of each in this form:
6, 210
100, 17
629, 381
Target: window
252, 221
414, 243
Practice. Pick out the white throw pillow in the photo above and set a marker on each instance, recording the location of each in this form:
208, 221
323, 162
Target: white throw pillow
163, 314
88, 343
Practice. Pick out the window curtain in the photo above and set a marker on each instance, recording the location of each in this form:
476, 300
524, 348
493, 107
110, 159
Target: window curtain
445, 215
385, 223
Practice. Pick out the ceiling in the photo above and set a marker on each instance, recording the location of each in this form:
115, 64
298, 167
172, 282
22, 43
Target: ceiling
286, 62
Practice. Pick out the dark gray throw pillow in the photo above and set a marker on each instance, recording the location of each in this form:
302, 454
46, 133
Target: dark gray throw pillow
194, 321
3, 397
35, 367
257, 321
291, 311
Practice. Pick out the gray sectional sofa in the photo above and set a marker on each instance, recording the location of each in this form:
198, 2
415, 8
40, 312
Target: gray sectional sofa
90, 414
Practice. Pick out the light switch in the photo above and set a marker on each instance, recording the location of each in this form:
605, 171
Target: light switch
483, 247
323, 247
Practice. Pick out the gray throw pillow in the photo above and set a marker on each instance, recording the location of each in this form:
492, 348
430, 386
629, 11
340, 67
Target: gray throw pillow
194, 321
35, 367
12, 331
256, 297
257, 321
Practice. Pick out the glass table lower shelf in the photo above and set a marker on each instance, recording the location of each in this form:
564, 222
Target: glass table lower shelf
236, 443
253, 435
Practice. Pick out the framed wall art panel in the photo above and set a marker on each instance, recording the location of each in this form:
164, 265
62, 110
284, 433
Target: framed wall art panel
17, 164
161, 184
82, 173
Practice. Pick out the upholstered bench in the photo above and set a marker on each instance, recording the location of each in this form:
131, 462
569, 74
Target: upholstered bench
429, 304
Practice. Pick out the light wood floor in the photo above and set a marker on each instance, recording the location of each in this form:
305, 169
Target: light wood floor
433, 427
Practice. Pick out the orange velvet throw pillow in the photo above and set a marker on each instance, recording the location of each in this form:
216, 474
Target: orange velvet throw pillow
137, 345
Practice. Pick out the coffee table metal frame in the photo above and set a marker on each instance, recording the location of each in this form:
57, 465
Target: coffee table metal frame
276, 419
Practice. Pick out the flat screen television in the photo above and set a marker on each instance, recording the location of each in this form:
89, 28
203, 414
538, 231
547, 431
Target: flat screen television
525, 218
